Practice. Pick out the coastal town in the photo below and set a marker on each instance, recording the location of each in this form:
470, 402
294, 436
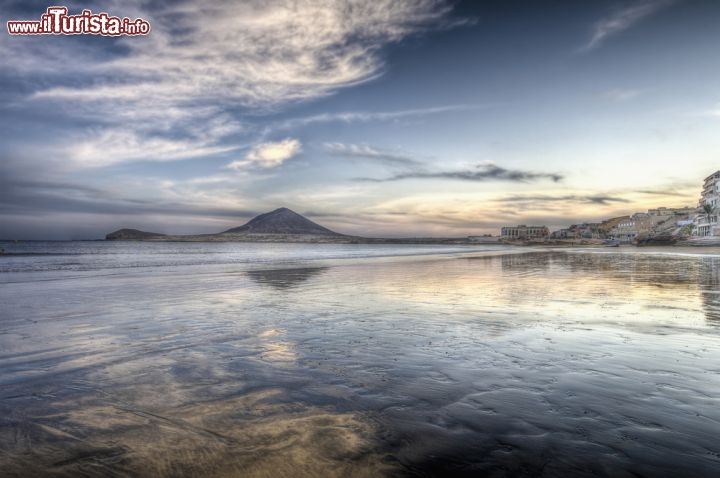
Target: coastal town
657, 226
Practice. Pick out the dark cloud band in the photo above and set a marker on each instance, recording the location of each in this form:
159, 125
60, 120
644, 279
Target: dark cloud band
484, 174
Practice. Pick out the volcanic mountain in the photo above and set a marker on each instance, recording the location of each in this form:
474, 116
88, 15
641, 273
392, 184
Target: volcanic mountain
281, 221
280, 225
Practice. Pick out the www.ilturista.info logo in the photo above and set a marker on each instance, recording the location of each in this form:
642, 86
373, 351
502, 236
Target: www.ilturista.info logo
57, 22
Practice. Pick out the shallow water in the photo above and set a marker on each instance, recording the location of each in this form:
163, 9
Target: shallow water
330, 360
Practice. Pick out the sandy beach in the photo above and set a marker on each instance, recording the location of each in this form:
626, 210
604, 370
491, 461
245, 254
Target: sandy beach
546, 363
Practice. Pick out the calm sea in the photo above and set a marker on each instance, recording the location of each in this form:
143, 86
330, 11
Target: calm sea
222, 359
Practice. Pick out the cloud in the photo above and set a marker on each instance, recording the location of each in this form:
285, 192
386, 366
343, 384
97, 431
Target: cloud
619, 95
590, 199
106, 146
269, 155
37, 198
257, 53
664, 192
368, 152
714, 112
206, 63
485, 172
623, 19
366, 116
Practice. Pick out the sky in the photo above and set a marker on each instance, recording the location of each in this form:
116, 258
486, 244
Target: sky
376, 118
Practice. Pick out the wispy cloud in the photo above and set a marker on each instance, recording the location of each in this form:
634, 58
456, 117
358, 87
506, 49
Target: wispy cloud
484, 173
622, 19
661, 192
367, 116
38, 197
570, 198
269, 155
372, 153
258, 53
620, 95
256, 56
106, 146
714, 112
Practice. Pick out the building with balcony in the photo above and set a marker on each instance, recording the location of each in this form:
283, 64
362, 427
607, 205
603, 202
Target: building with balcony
524, 232
706, 221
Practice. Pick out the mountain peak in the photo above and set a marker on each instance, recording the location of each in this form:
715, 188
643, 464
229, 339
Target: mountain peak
281, 221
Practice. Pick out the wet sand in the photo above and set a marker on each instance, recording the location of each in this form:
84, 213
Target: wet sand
552, 363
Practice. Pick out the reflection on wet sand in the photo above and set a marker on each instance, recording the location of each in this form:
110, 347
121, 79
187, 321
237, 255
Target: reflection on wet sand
253, 434
277, 350
710, 287
285, 278
540, 364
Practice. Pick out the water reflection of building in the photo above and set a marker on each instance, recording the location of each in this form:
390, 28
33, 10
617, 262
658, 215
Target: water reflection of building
683, 275
525, 262
709, 281
284, 278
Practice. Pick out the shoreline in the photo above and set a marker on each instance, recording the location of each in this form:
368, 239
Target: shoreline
286, 239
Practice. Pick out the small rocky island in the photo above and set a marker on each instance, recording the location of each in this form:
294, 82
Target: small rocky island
132, 235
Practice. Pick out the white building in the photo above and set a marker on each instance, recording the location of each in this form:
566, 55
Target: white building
706, 223
524, 232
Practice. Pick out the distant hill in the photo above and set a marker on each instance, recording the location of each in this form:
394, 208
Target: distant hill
280, 225
131, 235
281, 221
